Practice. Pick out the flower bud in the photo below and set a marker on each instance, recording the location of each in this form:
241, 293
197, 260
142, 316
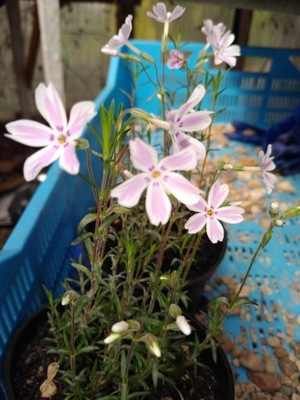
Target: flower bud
112, 338
133, 325
292, 212
174, 311
152, 344
68, 296
274, 209
121, 326
183, 325
278, 222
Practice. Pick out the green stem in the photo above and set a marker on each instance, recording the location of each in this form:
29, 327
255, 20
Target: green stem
72, 339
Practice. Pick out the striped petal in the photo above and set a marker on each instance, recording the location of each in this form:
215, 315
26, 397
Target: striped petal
129, 192
184, 160
80, 114
30, 133
37, 161
214, 230
196, 223
181, 188
143, 156
68, 160
51, 107
230, 214
217, 195
192, 101
195, 121
158, 205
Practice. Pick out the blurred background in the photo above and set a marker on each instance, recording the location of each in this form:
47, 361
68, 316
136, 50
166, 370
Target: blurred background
73, 51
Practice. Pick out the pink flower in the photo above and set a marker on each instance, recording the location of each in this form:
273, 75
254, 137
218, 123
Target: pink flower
224, 51
185, 119
119, 39
210, 213
58, 140
209, 30
221, 43
176, 59
266, 164
161, 14
159, 178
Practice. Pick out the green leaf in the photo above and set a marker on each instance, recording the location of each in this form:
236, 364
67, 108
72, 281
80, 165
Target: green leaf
86, 220
87, 349
244, 301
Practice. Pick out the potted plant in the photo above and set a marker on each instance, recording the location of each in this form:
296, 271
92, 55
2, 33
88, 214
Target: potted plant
120, 330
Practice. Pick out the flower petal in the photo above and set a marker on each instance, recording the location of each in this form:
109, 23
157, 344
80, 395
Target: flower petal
51, 107
268, 180
196, 121
192, 101
80, 114
196, 223
217, 195
184, 160
158, 205
30, 133
68, 160
129, 192
143, 156
200, 206
176, 13
181, 188
214, 230
230, 214
37, 161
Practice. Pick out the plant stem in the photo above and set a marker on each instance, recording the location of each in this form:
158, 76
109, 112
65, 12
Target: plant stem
72, 339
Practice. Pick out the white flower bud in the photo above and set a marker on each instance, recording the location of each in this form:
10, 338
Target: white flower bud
183, 325
121, 326
278, 222
227, 167
152, 344
112, 338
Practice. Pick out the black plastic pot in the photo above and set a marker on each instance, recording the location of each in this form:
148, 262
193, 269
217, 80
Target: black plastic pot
201, 271
37, 322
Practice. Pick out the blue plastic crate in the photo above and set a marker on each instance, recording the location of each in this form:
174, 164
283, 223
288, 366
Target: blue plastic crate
259, 98
37, 252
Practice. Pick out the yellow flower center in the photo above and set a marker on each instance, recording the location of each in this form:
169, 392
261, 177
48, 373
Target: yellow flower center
62, 139
155, 174
210, 213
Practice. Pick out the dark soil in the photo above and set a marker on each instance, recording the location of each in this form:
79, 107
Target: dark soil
29, 370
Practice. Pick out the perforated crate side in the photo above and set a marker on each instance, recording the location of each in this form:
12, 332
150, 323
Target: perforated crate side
258, 98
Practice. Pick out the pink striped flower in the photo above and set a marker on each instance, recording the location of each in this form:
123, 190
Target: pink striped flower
159, 178
221, 43
186, 119
176, 59
161, 14
120, 39
209, 213
266, 164
59, 140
